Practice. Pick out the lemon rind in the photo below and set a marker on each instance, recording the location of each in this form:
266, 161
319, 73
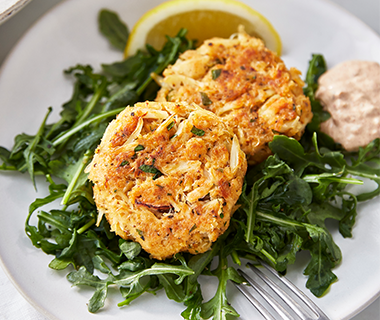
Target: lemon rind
263, 27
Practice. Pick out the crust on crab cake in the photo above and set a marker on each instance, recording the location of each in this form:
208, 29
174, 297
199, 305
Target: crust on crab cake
168, 176
245, 84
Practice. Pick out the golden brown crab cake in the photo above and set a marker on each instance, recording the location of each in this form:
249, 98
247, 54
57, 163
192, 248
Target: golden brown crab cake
245, 84
168, 175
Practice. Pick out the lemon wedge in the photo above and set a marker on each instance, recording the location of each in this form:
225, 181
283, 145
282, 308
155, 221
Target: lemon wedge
203, 19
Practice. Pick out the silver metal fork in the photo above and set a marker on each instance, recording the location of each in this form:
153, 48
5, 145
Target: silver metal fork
290, 309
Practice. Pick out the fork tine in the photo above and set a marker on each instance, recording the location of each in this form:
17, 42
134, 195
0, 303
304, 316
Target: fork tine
268, 298
264, 312
317, 311
281, 293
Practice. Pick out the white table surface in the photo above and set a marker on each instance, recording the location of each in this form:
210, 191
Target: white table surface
12, 304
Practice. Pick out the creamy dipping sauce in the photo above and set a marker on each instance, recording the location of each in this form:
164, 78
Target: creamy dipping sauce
350, 92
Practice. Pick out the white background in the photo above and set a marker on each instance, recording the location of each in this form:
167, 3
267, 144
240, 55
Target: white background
12, 304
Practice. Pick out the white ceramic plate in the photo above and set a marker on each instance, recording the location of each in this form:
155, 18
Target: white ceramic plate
32, 80
10, 7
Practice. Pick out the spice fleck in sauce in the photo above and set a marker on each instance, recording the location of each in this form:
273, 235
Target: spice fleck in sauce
350, 92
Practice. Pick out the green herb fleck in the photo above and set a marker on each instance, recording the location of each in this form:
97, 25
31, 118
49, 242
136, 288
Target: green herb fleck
193, 228
205, 99
216, 73
139, 148
149, 168
141, 234
171, 125
198, 132
124, 163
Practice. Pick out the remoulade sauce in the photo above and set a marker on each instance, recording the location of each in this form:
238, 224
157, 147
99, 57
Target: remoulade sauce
350, 92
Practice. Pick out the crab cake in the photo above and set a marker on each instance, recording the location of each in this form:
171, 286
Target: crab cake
245, 84
168, 175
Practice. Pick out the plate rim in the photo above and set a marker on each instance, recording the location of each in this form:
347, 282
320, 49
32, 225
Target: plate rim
12, 10
15, 48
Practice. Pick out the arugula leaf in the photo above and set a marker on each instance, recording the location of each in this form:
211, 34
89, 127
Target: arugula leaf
273, 168
293, 152
317, 66
370, 153
138, 290
194, 306
319, 271
286, 201
367, 165
130, 249
138, 68
83, 277
5, 157
127, 279
175, 290
31, 153
219, 307
113, 28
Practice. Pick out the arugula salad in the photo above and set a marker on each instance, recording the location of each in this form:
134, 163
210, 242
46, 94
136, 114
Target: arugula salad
282, 209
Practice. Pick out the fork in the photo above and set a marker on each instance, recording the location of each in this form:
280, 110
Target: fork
308, 311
